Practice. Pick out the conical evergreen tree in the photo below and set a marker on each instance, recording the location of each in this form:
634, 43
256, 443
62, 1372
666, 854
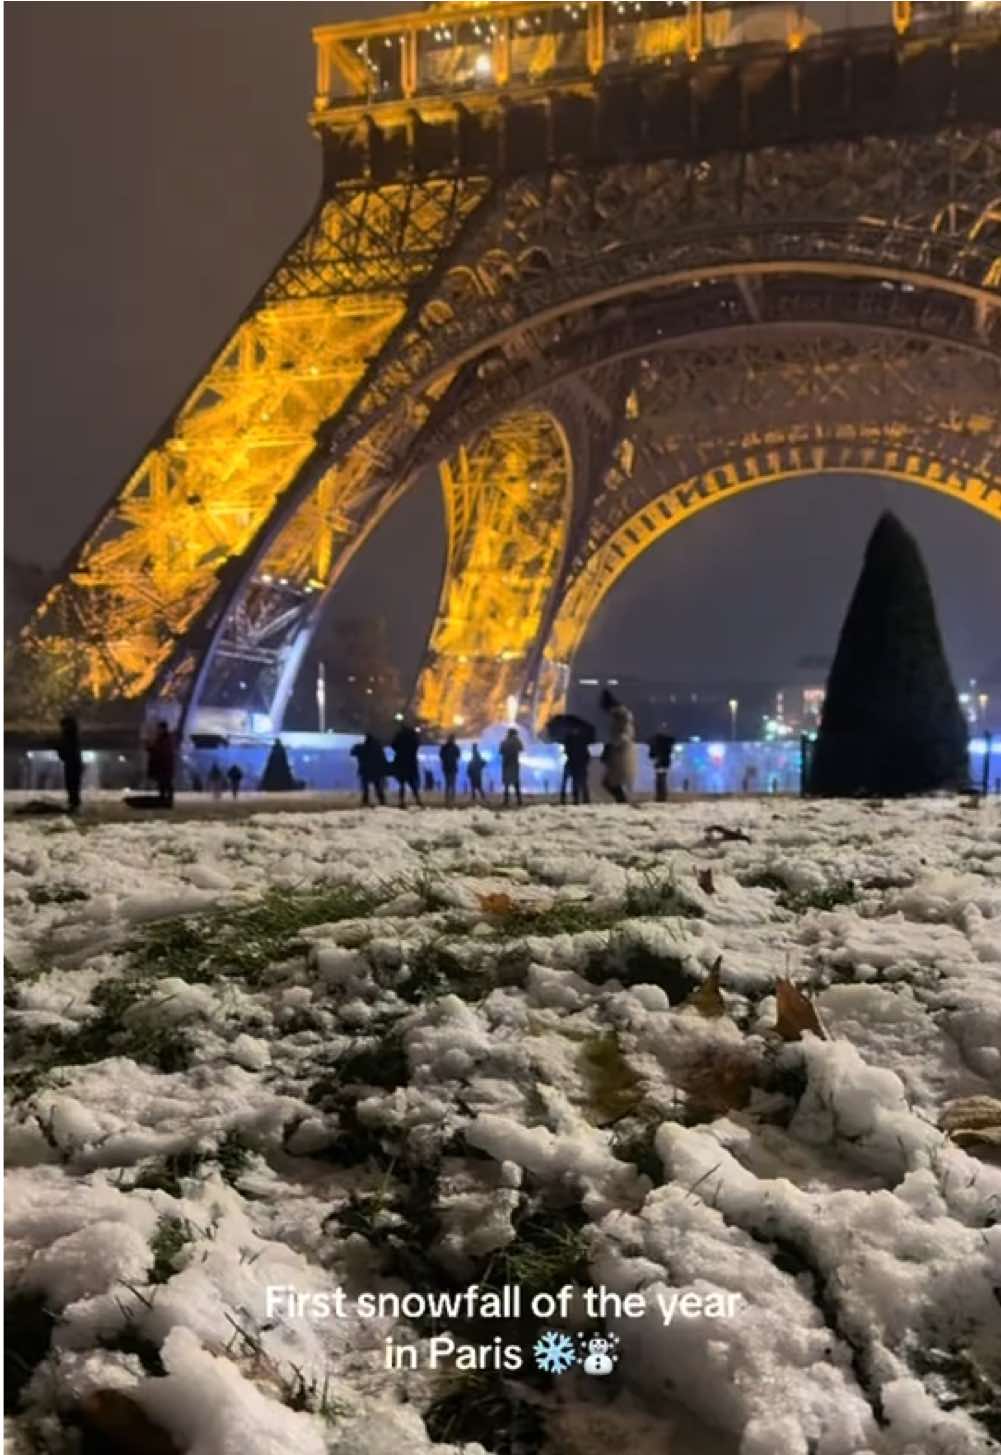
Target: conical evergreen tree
891, 722
277, 773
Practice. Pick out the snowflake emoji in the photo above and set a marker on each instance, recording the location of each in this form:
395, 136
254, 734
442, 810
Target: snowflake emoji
554, 1353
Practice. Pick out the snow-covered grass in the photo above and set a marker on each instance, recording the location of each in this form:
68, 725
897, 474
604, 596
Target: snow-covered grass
383, 1051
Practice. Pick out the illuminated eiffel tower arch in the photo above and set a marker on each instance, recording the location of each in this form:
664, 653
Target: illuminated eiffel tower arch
602, 266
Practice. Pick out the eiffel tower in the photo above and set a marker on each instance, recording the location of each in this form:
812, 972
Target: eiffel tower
602, 266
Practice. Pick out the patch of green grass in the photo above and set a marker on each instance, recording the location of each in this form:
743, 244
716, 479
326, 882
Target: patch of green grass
56, 894
637, 1147
28, 1326
564, 917
409, 1191
172, 1236
658, 896
168, 1174
427, 886
129, 1341
438, 970
233, 1155
965, 1382
842, 891
108, 1033
244, 942
633, 962
379, 1063
549, 1251
481, 1406
764, 879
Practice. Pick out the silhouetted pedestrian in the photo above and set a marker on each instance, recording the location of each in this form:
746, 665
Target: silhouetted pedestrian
511, 750
661, 748
216, 781
578, 756
405, 770
474, 774
450, 757
235, 776
71, 757
428, 781
372, 769
162, 764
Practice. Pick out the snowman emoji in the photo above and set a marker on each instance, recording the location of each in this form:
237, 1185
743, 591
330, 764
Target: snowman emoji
601, 1354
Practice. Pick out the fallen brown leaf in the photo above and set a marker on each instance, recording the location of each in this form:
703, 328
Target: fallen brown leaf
707, 1000
720, 1081
122, 1426
497, 903
794, 1013
972, 1114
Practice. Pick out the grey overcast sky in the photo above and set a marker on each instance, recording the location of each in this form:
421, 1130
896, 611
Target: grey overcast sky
158, 162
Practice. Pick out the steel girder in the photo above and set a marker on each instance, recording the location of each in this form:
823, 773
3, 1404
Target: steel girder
450, 302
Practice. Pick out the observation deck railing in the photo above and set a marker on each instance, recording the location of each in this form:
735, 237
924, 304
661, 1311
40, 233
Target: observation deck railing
478, 51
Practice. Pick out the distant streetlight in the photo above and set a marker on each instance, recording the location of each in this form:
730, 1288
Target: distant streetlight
733, 704
982, 702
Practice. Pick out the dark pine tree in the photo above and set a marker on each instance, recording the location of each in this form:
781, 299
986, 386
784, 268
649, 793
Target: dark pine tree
891, 722
277, 773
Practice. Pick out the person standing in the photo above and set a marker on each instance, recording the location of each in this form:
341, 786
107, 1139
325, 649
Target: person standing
511, 750
216, 781
450, 757
405, 745
71, 757
372, 769
162, 764
619, 756
578, 756
235, 776
474, 773
661, 748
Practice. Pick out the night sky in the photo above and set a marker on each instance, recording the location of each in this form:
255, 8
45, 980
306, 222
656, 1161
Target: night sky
158, 163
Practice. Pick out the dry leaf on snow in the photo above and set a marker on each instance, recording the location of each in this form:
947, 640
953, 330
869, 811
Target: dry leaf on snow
974, 1123
122, 1426
794, 1013
497, 903
707, 1000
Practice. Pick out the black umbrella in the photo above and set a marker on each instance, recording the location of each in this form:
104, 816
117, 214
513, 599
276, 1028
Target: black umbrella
559, 728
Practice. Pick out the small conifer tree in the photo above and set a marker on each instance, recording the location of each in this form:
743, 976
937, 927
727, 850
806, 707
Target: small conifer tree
891, 722
277, 773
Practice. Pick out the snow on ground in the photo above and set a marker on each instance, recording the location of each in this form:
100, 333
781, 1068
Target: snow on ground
382, 1051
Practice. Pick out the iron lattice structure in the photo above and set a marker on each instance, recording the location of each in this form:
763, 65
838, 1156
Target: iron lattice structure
602, 267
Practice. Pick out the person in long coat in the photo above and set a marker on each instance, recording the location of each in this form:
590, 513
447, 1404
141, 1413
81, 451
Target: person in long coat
619, 756
162, 764
451, 757
578, 761
71, 757
511, 749
405, 769
372, 769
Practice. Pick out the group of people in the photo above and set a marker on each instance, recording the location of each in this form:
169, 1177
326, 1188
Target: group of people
374, 768
618, 758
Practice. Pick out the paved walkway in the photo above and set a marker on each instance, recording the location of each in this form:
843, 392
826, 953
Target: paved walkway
105, 806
